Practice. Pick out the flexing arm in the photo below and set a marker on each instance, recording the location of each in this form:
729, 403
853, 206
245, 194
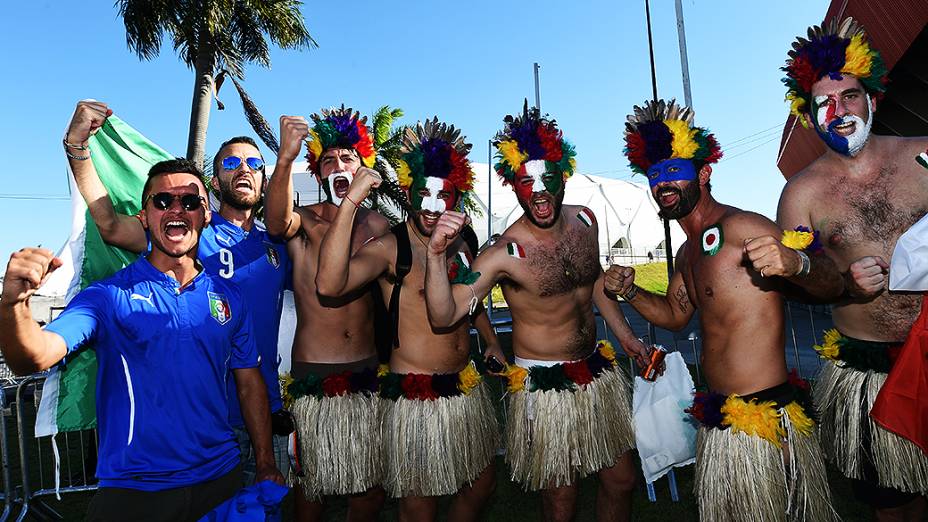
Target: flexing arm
672, 311
26, 347
615, 319
448, 303
339, 272
252, 395
768, 256
279, 217
116, 229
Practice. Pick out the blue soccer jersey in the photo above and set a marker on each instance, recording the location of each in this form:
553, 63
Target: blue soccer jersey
260, 266
165, 356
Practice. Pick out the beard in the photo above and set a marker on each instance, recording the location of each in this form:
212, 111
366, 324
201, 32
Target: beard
848, 145
558, 202
686, 202
229, 196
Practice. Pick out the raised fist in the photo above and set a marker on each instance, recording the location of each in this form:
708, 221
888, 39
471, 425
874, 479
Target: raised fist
619, 279
447, 228
364, 181
27, 270
770, 257
293, 130
866, 277
87, 119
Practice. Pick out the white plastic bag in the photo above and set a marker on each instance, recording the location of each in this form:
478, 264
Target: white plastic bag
908, 268
664, 435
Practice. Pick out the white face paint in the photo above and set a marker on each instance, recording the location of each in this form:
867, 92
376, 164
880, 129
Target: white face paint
431, 203
330, 185
856, 141
535, 169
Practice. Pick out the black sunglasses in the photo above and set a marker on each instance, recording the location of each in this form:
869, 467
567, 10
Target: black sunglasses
234, 162
165, 200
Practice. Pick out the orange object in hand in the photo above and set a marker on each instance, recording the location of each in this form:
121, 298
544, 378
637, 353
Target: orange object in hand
653, 368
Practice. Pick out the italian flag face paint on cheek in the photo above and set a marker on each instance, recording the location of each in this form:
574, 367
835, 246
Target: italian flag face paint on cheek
712, 240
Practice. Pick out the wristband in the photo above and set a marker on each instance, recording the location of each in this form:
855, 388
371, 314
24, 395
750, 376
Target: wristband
75, 157
73, 146
805, 264
356, 204
631, 294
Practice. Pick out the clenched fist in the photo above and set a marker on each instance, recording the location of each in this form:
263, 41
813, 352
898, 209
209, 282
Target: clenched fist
866, 277
27, 270
87, 119
447, 228
293, 130
364, 181
619, 279
770, 257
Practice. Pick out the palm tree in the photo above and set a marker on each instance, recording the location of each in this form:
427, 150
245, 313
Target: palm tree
212, 35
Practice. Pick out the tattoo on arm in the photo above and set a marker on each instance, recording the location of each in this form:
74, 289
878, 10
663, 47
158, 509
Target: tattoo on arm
683, 299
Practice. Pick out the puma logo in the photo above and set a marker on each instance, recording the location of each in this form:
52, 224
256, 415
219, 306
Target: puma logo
226, 240
140, 297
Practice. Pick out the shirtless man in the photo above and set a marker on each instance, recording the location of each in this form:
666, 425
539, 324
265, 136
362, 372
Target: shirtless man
231, 246
859, 196
744, 469
547, 264
334, 356
439, 426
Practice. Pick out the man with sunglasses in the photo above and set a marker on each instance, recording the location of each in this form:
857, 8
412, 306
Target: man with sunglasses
231, 246
167, 334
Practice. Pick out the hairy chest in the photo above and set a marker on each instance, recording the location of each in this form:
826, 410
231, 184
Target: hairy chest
555, 269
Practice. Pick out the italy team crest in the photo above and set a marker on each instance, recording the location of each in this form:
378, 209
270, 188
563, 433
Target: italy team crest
272, 256
219, 307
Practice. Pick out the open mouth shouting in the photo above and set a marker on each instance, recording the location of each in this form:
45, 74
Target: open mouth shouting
668, 197
176, 230
542, 205
243, 185
429, 219
340, 184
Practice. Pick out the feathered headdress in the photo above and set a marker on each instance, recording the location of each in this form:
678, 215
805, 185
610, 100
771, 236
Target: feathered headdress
436, 150
341, 128
531, 137
831, 50
660, 131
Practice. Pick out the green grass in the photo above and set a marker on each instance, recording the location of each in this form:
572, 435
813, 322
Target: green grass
652, 277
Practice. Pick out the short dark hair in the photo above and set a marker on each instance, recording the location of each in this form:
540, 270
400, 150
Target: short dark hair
232, 141
173, 166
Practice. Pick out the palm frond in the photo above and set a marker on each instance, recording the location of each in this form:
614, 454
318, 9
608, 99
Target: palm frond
257, 121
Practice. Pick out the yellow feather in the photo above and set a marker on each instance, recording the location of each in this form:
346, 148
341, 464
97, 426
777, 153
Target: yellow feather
468, 379
315, 146
858, 57
798, 417
797, 240
684, 145
403, 174
511, 154
753, 418
516, 376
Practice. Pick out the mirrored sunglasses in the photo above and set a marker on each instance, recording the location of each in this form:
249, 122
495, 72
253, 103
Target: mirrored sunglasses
234, 162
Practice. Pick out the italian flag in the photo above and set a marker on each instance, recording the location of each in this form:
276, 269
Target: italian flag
122, 158
586, 216
515, 250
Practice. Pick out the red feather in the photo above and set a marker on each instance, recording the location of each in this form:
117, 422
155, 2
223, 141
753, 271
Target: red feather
365, 146
802, 71
550, 138
637, 151
460, 175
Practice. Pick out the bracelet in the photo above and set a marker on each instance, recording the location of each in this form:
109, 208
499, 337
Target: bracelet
805, 263
73, 146
631, 294
356, 204
73, 157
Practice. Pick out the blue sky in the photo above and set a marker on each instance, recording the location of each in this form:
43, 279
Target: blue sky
470, 63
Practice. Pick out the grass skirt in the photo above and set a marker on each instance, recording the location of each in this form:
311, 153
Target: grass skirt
741, 477
844, 396
434, 447
339, 444
555, 437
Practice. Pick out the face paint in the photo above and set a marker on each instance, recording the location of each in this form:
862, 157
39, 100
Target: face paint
544, 179
432, 202
827, 121
670, 170
342, 180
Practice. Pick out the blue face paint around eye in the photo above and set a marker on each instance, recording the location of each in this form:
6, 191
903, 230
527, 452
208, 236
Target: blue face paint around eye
671, 170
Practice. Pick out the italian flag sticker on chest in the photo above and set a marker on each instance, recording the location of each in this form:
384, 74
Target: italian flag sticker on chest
712, 240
